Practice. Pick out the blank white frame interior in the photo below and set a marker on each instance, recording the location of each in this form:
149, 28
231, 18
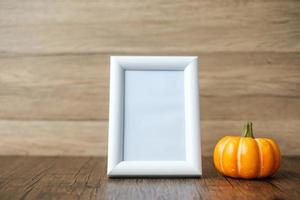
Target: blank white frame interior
190, 166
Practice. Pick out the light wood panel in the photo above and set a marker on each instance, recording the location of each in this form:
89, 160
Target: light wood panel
54, 87
162, 26
54, 67
90, 137
237, 86
53, 138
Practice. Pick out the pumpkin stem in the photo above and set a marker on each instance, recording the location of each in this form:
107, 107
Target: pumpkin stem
248, 130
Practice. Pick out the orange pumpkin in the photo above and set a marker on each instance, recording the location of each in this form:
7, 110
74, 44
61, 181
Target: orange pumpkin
246, 156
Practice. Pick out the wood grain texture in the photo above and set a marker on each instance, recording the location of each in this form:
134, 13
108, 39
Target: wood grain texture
90, 137
84, 178
75, 87
53, 138
63, 26
54, 67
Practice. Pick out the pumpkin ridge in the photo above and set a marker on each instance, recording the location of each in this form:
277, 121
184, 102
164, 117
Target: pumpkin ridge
238, 163
260, 157
274, 155
217, 153
222, 152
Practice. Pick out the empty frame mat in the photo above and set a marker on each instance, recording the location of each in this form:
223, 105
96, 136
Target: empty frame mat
154, 116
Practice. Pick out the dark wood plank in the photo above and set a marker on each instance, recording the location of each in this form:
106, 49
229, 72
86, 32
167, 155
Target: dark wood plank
165, 26
22, 178
85, 178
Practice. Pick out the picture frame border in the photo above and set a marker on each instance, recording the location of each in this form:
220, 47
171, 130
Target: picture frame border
116, 166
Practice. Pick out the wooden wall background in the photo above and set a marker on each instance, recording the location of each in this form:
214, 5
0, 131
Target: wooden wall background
54, 67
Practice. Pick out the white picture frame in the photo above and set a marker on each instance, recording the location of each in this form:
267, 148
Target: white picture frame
120, 69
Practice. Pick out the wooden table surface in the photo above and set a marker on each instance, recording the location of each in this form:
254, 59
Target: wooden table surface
25, 177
